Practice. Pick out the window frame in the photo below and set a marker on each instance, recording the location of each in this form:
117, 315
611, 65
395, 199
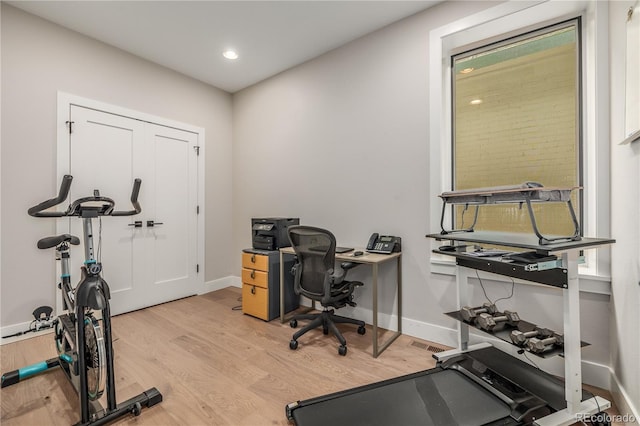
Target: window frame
463, 52
499, 23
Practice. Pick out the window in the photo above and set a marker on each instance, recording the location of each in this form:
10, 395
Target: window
500, 22
516, 118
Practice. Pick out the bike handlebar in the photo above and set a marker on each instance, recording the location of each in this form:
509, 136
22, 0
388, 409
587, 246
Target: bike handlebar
75, 208
36, 211
134, 201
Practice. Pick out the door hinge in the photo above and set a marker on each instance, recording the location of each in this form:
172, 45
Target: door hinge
197, 149
197, 209
70, 126
197, 268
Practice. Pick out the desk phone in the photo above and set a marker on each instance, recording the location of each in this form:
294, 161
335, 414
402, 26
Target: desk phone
385, 244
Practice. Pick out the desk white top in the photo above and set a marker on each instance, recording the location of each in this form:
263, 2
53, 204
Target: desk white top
369, 258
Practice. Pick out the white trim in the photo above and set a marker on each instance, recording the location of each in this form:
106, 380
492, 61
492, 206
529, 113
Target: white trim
16, 328
66, 100
220, 283
503, 19
623, 401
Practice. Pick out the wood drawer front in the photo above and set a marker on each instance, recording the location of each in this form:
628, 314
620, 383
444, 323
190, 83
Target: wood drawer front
255, 261
255, 301
255, 277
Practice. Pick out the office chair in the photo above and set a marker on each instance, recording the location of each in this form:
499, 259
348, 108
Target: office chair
317, 279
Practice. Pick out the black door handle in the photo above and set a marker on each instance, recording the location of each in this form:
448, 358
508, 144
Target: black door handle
137, 224
151, 223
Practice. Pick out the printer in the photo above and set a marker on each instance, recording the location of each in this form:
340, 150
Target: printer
271, 233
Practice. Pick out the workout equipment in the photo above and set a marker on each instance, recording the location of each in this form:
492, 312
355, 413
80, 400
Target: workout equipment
521, 338
488, 322
483, 386
540, 345
83, 334
469, 314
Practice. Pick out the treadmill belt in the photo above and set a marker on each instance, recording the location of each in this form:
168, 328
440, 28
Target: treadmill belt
435, 397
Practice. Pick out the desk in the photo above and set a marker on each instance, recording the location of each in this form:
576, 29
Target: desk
374, 260
566, 278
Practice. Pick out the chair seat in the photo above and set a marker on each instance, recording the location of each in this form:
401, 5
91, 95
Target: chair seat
318, 278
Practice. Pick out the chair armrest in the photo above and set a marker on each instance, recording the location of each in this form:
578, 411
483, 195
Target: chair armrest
349, 265
339, 276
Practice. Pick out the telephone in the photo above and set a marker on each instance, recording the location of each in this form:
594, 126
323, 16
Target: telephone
384, 244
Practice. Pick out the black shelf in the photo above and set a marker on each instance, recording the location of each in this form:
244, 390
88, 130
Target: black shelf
556, 277
522, 241
503, 331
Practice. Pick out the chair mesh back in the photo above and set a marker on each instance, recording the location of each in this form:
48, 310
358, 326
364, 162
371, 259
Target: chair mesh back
316, 250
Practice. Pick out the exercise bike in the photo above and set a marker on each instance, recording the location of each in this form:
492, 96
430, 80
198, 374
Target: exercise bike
83, 334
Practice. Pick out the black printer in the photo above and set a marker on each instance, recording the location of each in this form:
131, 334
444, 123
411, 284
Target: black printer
271, 233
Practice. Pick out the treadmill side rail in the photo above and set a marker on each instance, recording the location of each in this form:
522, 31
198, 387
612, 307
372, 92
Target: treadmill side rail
443, 356
564, 418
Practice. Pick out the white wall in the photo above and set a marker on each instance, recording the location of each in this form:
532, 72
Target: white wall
361, 111
38, 60
342, 142
625, 268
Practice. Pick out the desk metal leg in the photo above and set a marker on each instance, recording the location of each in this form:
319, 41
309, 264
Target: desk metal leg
462, 284
375, 310
281, 287
378, 350
572, 356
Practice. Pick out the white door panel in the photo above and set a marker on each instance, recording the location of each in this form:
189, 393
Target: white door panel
170, 246
143, 265
101, 158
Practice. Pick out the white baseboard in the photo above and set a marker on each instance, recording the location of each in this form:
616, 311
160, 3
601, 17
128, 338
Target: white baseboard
15, 328
623, 402
230, 281
220, 283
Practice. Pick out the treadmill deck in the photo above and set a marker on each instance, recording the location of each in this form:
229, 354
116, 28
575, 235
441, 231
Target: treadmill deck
480, 387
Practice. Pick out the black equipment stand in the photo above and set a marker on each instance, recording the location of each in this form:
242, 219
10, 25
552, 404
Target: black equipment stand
83, 334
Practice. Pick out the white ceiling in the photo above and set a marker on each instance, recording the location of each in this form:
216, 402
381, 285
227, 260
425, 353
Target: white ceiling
190, 36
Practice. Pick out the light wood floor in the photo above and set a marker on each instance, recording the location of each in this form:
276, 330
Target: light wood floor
212, 364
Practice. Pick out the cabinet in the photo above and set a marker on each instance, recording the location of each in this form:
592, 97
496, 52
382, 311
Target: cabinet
261, 284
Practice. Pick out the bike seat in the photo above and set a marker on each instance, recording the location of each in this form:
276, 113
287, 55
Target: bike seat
48, 242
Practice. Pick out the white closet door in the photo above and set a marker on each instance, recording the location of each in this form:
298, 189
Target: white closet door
102, 152
170, 201
144, 265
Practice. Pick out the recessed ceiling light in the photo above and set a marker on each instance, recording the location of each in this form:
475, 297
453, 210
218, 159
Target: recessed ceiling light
230, 54
466, 70
476, 102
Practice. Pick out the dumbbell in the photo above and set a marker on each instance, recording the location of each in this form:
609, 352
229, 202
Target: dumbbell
488, 322
520, 338
540, 345
469, 314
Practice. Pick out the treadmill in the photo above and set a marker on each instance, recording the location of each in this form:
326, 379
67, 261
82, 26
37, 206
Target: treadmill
482, 386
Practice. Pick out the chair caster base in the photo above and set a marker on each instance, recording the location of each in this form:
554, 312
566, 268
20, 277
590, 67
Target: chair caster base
293, 345
362, 330
342, 350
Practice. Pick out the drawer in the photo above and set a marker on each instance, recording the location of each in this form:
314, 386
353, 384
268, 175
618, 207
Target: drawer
255, 277
255, 261
255, 301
